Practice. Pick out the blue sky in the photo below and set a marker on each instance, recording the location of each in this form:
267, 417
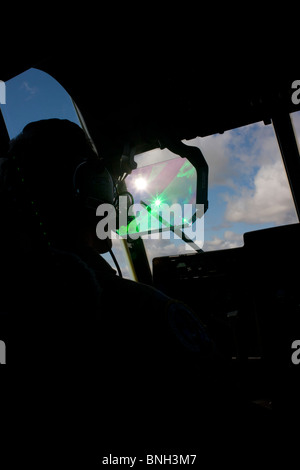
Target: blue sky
248, 188
35, 95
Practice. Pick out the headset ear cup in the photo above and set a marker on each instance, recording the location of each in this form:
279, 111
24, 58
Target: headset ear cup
77, 181
92, 186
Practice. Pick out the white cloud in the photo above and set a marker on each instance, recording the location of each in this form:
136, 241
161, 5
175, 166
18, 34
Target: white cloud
270, 200
30, 90
217, 153
248, 161
157, 248
230, 240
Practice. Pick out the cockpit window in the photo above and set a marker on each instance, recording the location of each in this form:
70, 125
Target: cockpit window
248, 186
248, 189
35, 95
161, 185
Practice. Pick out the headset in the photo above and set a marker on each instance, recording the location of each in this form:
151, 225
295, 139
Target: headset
93, 184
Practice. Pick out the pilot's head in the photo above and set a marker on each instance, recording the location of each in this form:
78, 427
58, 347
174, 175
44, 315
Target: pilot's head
57, 181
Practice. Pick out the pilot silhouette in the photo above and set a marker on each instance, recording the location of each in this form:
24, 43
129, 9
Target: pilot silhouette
151, 365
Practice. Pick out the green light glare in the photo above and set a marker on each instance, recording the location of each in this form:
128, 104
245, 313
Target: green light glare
122, 231
186, 171
157, 201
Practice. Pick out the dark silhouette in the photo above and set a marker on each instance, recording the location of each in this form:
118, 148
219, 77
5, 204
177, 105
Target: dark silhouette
149, 373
